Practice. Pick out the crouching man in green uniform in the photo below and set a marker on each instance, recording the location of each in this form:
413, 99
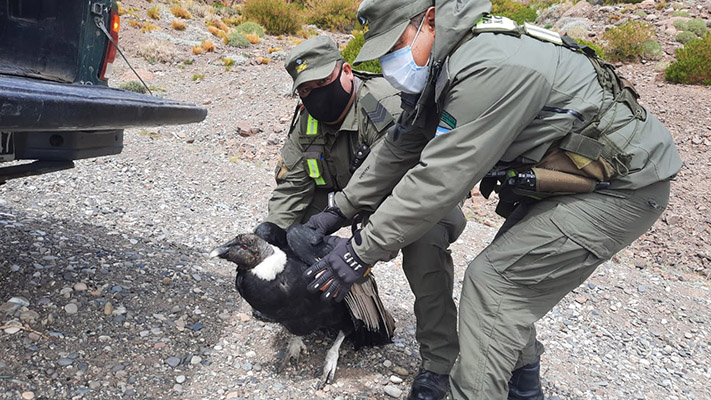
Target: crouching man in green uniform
344, 114
581, 168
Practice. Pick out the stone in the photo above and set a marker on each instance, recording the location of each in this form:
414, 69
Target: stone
172, 361
392, 391
71, 308
195, 360
395, 379
28, 395
180, 378
65, 362
93, 385
400, 371
387, 363
108, 308
80, 286
12, 327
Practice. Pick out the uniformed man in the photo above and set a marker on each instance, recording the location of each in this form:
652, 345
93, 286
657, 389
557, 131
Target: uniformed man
345, 113
582, 170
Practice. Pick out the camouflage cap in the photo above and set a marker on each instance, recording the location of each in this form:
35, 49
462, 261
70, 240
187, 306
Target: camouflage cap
384, 22
311, 60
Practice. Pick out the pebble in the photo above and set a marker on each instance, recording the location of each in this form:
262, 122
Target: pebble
392, 391
80, 286
400, 371
195, 360
108, 308
71, 308
28, 395
172, 361
13, 327
387, 363
93, 385
65, 362
180, 378
395, 379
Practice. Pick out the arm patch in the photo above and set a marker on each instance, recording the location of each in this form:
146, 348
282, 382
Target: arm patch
377, 113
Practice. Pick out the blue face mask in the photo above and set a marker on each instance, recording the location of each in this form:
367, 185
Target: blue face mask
401, 70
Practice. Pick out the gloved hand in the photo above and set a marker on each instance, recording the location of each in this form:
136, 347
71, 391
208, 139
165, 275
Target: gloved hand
326, 222
335, 274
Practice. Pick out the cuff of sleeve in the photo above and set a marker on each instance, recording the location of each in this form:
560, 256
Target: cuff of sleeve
345, 206
369, 251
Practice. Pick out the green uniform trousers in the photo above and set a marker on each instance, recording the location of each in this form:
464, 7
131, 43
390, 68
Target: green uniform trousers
429, 269
544, 251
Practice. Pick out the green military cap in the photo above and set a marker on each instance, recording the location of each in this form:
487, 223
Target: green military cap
311, 60
384, 22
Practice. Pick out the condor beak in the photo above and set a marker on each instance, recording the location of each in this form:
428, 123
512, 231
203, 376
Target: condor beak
222, 250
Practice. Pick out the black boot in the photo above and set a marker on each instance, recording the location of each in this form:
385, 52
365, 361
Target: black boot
429, 386
525, 383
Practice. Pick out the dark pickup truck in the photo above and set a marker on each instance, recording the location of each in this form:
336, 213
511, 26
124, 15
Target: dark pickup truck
55, 103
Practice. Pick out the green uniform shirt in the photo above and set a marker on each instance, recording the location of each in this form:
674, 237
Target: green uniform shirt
487, 107
374, 110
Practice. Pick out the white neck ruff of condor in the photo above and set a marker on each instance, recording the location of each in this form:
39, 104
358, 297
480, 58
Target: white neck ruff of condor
271, 266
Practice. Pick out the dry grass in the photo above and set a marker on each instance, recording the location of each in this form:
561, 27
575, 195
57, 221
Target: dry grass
178, 25
158, 51
180, 12
134, 24
154, 12
149, 27
253, 38
197, 50
208, 45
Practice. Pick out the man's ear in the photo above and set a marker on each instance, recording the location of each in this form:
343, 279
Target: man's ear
347, 68
430, 18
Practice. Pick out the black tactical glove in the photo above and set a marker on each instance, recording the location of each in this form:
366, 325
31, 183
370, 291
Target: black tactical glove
326, 222
337, 272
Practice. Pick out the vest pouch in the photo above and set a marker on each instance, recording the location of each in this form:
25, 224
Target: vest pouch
316, 168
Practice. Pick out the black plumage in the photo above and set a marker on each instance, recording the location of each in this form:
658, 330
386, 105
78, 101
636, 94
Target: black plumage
270, 265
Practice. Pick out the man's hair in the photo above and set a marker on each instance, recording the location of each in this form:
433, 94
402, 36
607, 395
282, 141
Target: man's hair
417, 19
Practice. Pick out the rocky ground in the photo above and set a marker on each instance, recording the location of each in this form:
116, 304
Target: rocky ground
107, 291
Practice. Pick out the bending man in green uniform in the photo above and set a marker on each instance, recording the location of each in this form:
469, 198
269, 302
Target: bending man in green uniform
345, 113
582, 170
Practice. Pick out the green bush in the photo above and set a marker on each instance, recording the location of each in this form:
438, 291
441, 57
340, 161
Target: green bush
276, 16
598, 50
133, 86
681, 24
681, 13
513, 10
631, 41
250, 28
693, 63
334, 15
351, 51
237, 39
685, 36
697, 26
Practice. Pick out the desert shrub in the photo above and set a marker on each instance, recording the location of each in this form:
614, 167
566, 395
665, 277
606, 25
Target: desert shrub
598, 49
198, 50
149, 27
236, 39
250, 28
661, 5
693, 63
198, 77
630, 41
223, 9
681, 13
334, 15
351, 50
677, 6
154, 12
640, 13
697, 26
681, 24
685, 36
133, 86
208, 45
276, 16
180, 12
651, 50
197, 8
513, 10
178, 25
253, 38
157, 50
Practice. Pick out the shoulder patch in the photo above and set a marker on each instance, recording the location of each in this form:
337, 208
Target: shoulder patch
378, 114
448, 120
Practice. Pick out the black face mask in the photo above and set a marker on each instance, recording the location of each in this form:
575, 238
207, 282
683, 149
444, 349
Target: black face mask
327, 103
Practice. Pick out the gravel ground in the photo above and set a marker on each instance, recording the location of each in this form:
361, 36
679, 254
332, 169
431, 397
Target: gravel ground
106, 290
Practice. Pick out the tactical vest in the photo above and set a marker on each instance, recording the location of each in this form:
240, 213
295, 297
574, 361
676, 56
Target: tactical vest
314, 141
581, 160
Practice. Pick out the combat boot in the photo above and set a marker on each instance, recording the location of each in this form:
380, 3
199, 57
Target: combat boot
525, 383
429, 386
